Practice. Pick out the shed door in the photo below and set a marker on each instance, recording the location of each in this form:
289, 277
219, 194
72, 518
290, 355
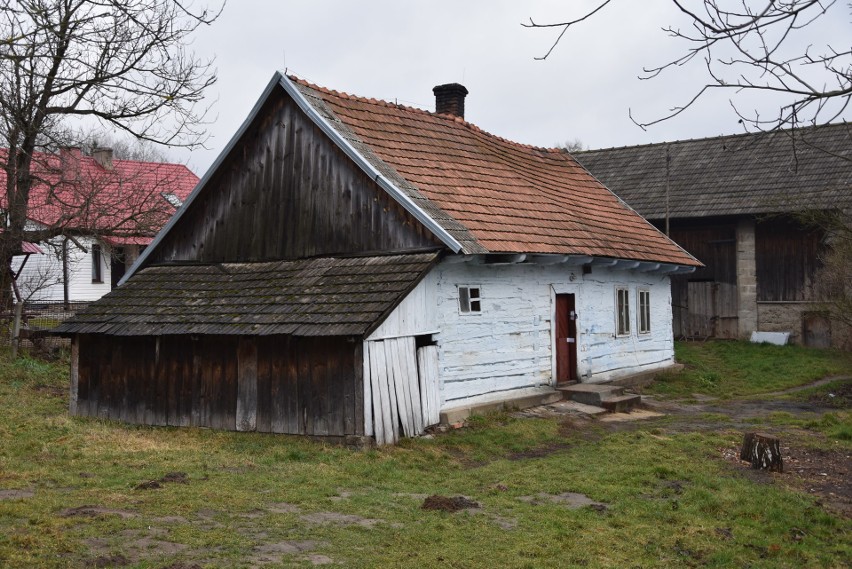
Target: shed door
566, 338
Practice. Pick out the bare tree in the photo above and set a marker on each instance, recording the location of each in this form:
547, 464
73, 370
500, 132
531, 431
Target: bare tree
753, 46
833, 280
121, 62
574, 145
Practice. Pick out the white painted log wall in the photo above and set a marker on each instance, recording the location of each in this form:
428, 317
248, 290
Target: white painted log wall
508, 346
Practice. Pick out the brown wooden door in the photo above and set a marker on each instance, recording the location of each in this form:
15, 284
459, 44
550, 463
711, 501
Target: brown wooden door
566, 338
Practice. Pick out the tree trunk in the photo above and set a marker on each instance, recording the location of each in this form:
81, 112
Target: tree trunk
763, 452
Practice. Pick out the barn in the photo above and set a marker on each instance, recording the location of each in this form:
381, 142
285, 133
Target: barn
740, 204
350, 267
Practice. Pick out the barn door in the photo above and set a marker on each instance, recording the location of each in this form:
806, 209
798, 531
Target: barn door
566, 338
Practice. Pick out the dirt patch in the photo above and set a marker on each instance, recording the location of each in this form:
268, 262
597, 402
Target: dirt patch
170, 478
283, 508
839, 397
336, 518
571, 500
449, 504
823, 473
108, 561
95, 512
507, 524
275, 552
16, 494
316, 559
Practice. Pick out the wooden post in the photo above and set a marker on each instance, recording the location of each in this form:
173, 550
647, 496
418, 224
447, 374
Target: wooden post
75, 375
763, 452
16, 328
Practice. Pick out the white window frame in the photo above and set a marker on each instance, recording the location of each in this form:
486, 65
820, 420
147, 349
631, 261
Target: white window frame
622, 311
643, 312
470, 299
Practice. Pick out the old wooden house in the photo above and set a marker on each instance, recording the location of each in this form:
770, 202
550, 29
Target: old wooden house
733, 202
353, 267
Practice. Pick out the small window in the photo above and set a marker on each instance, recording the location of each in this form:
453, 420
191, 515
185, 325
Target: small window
622, 311
470, 299
644, 315
97, 264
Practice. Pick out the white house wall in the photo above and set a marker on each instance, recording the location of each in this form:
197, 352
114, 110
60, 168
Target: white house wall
509, 345
41, 279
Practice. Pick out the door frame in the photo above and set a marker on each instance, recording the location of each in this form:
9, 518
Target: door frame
564, 289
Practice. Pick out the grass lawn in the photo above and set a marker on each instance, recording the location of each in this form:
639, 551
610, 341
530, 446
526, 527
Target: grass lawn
670, 494
730, 369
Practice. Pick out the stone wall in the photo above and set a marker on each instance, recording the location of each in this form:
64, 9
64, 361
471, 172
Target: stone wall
746, 278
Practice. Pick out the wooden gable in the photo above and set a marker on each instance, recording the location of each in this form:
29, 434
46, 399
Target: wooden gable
286, 191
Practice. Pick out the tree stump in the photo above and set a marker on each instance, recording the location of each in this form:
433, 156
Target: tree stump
763, 452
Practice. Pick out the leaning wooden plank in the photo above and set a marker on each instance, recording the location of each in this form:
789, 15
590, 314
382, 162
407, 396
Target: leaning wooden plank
409, 357
368, 393
385, 387
379, 396
392, 396
400, 382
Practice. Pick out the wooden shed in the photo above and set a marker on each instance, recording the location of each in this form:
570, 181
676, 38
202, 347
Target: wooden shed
353, 267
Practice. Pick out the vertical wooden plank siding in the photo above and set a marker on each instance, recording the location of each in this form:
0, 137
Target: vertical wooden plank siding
246, 417
427, 359
292, 195
275, 384
367, 401
377, 404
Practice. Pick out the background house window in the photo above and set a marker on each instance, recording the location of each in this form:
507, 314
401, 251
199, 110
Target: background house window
622, 311
97, 265
644, 315
470, 300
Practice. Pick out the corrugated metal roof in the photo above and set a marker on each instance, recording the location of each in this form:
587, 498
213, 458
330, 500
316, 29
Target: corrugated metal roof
746, 174
310, 297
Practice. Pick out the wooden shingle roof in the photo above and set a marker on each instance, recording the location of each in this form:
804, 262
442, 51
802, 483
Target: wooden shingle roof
310, 297
746, 174
492, 195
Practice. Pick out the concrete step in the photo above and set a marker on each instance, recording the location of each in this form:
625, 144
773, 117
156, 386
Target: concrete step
591, 393
621, 403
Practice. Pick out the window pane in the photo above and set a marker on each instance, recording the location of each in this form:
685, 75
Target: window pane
464, 299
474, 306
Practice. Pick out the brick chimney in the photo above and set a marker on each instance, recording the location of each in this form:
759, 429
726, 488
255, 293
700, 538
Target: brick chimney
449, 99
103, 156
69, 162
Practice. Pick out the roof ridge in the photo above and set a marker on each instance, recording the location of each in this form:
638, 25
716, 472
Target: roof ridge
445, 116
718, 137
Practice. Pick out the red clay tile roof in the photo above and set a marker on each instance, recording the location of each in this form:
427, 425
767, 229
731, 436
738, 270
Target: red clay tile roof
494, 195
126, 202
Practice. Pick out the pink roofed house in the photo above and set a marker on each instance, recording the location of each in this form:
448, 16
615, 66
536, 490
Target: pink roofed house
106, 211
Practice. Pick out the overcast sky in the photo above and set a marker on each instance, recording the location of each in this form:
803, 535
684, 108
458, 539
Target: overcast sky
399, 50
